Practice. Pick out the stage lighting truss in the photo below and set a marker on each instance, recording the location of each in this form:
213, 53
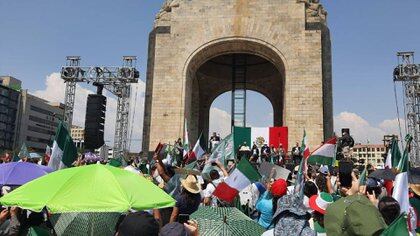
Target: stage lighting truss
408, 74
117, 80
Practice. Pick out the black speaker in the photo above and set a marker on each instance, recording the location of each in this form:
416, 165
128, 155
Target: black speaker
95, 121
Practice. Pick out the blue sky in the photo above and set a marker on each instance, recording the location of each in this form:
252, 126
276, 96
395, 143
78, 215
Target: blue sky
35, 37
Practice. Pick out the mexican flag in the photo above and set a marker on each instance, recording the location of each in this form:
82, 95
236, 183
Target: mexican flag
324, 155
388, 162
223, 151
23, 151
198, 150
47, 155
303, 168
64, 152
305, 147
238, 180
400, 192
270, 135
362, 177
397, 227
186, 144
395, 153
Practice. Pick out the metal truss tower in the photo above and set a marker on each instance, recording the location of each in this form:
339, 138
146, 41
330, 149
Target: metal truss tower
408, 74
238, 109
116, 80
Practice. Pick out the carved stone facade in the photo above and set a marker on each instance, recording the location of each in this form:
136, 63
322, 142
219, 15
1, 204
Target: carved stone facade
314, 10
193, 40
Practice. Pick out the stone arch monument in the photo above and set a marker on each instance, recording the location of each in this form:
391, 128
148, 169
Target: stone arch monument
285, 43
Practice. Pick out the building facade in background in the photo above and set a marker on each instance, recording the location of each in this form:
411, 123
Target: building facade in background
38, 120
78, 136
371, 153
9, 104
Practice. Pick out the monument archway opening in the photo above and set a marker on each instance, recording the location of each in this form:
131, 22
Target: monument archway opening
259, 113
186, 67
209, 76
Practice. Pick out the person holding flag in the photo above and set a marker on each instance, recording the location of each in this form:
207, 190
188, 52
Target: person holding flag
300, 178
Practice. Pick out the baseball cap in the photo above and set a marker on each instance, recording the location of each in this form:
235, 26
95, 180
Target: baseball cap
323, 170
138, 223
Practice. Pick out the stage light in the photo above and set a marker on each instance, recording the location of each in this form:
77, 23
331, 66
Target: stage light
126, 73
69, 72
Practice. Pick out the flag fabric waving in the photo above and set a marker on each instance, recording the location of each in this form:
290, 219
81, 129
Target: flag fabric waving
305, 147
197, 148
324, 155
270, 135
23, 151
64, 152
186, 144
241, 177
397, 227
223, 152
363, 176
400, 192
300, 178
395, 153
388, 161
47, 155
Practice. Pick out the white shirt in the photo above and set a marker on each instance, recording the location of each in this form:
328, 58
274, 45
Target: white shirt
132, 169
268, 233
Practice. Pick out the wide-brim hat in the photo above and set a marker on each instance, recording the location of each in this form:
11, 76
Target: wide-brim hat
415, 188
320, 202
191, 184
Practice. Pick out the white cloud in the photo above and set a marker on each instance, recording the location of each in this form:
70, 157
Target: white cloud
362, 130
219, 122
392, 126
55, 90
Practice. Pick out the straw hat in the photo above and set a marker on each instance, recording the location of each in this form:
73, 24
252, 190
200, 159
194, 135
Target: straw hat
415, 188
191, 184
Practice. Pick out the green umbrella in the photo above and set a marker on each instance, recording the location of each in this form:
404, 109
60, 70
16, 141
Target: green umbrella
90, 223
92, 188
215, 221
38, 231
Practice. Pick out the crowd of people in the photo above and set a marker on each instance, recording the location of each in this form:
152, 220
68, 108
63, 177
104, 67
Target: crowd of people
320, 205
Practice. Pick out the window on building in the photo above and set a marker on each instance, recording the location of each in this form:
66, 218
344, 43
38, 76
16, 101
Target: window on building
42, 111
43, 121
37, 140
40, 130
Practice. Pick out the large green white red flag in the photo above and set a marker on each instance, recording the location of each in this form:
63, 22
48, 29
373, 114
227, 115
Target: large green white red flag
238, 180
64, 152
324, 155
272, 136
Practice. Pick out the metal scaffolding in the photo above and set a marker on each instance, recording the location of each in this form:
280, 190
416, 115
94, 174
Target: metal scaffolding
238, 109
408, 74
117, 80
